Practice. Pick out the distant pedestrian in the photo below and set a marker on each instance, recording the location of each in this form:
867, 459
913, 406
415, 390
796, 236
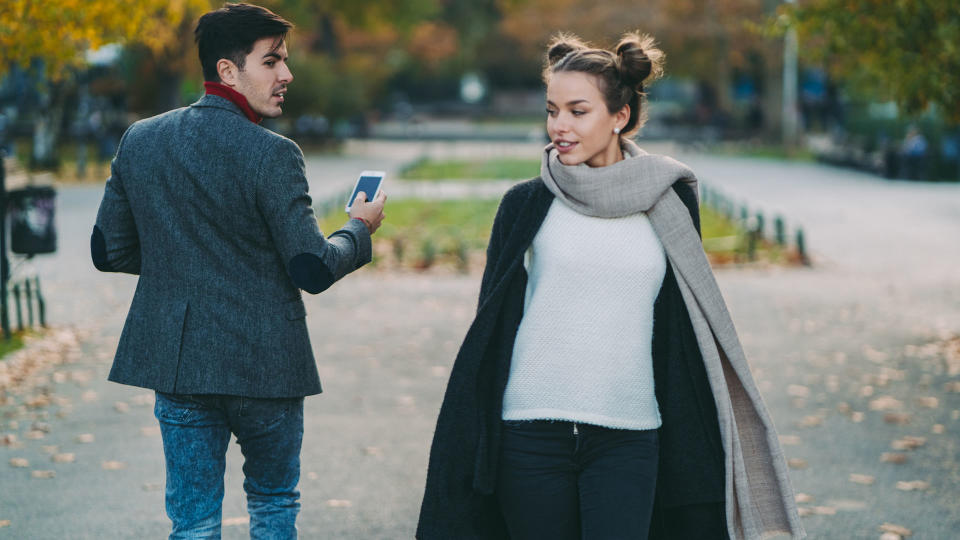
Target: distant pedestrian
601, 391
914, 155
212, 212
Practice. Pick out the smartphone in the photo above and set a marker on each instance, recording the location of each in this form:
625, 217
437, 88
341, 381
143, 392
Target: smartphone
369, 183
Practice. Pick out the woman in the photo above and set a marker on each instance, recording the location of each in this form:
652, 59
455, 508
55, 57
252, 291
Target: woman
601, 391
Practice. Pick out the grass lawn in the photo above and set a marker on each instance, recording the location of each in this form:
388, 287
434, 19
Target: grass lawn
490, 169
420, 234
15, 343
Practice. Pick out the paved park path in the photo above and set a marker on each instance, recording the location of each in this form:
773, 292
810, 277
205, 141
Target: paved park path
851, 356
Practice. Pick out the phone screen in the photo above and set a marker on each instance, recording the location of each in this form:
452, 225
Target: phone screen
368, 185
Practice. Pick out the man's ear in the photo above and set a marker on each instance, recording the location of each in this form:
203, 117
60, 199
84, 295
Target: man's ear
227, 71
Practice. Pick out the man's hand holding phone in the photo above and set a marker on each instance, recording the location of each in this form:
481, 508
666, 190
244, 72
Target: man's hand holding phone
358, 206
370, 212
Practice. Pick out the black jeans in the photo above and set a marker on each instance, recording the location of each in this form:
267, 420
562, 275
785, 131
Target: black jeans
561, 480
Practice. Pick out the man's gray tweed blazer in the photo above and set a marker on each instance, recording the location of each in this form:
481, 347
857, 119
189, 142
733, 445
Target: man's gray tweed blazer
212, 212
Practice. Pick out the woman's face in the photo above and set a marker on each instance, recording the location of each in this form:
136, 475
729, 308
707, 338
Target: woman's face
578, 122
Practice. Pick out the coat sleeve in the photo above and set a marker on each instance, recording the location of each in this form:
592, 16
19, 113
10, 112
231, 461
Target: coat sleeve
313, 262
494, 247
115, 243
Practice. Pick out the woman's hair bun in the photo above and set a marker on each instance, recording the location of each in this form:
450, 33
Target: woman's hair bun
641, 61
562, 45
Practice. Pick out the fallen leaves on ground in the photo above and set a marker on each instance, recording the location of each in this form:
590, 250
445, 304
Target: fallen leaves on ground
908, 443
121, 406
874, 355
803, 498
236, 521
113, 465
885, 403
23, 368
897, 418
928, 402
914, 485
893, 457
4, 522
85, 438
19, 462
43, 474
864, 479
823, 510
895, 529
339, 503
797, 463
66, 457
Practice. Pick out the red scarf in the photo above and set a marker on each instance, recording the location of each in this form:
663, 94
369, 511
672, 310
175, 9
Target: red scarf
238, 99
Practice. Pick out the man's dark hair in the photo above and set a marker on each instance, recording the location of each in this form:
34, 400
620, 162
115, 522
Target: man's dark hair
230, 33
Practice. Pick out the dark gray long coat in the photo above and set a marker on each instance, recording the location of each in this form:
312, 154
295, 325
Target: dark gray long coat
212, 212
460, 496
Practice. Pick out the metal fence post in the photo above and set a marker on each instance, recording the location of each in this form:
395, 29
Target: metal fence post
802, 248
779, 231
16, 298
41, 304
4, 262
29, 295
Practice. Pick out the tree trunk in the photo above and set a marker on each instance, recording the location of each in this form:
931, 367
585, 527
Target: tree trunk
326, 39
46, 129
773, 90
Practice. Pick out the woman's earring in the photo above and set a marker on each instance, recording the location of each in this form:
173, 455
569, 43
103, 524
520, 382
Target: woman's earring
616, 131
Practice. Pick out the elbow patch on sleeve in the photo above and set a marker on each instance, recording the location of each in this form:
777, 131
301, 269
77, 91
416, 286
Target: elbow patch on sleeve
309, 273
98, 251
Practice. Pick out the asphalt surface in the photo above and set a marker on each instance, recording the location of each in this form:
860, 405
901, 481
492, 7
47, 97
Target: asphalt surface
840, 350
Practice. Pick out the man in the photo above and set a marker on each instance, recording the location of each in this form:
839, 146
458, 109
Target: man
212, 212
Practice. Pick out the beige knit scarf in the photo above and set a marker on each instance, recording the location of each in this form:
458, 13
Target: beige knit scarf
760, 499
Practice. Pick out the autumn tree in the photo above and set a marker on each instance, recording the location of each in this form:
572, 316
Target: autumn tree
908, 52
707, 41
56, 34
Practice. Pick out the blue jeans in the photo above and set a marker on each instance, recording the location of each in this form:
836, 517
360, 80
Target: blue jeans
196, 431
558, 480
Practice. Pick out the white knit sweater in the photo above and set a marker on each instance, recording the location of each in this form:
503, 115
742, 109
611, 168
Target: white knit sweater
583, 351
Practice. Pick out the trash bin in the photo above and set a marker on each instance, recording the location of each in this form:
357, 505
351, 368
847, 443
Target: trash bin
31, 211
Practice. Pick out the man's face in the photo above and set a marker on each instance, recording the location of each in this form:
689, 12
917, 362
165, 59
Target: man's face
265, 76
